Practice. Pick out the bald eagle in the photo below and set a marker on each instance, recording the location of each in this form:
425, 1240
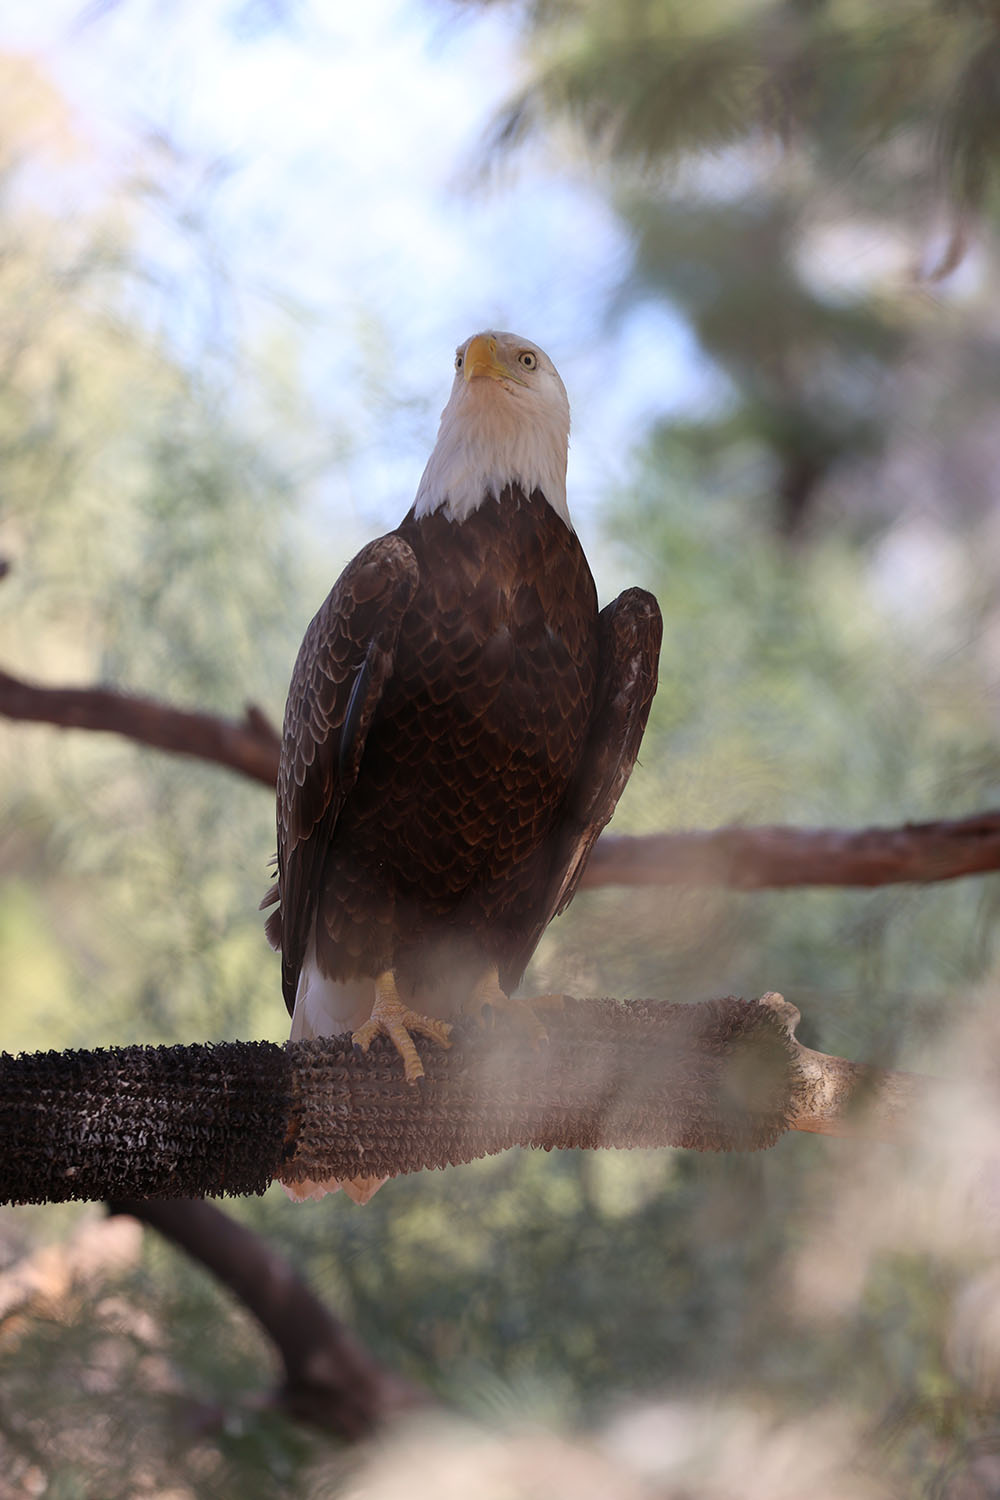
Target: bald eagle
460, 724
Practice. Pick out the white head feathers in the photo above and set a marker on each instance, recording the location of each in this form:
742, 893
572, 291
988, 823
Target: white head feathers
506, 422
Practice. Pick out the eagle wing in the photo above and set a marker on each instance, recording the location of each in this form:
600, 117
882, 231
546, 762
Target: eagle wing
630, 632
344, 662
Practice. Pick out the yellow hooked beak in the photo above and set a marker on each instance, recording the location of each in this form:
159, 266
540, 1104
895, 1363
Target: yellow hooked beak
481, 359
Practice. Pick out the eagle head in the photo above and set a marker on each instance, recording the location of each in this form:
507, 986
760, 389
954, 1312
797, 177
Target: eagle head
506, 422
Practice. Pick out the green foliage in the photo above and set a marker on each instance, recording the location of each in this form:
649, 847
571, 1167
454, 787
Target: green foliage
110, 1387
145, 532
768, 158
652, 80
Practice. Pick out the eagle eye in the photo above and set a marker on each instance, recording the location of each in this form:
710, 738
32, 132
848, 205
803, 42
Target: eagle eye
458, 361
527, 359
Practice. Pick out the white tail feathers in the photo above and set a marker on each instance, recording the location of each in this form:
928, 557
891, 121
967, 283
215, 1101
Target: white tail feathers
328, 1007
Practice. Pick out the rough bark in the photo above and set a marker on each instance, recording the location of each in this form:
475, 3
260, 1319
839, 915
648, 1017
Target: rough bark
202, 1121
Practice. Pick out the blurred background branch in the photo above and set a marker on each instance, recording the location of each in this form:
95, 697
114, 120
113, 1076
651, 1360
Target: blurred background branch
329, 1380
249, 746
777, 858
743, 858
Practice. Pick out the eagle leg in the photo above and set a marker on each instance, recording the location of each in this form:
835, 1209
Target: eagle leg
391, 1018
488, 992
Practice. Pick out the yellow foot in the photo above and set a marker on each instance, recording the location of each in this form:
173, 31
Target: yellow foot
523, 1013
391, 1018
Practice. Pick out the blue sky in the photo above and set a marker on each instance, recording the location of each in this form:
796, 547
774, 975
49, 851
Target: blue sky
352, 140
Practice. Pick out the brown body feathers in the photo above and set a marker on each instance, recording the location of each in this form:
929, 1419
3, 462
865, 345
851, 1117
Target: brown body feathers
460, 724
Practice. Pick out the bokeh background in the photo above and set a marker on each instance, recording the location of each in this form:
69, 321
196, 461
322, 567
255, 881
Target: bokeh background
238, 243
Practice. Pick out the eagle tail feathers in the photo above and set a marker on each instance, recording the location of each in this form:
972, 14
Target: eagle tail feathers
272, 930
328, 1007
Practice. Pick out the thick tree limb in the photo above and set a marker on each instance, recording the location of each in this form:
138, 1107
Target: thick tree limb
330, 1380
743, 858
771, 857
169, 1122
250, 746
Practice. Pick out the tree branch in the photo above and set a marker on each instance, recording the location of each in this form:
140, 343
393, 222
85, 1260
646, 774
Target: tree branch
330, 1380
168, 1122
250, 746
774, 857
740, 858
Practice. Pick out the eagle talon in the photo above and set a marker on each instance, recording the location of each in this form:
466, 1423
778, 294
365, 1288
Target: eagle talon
392, 1018
489, 1000
547, 1002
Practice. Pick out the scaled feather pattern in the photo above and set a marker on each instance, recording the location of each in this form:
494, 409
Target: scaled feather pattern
460, 724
